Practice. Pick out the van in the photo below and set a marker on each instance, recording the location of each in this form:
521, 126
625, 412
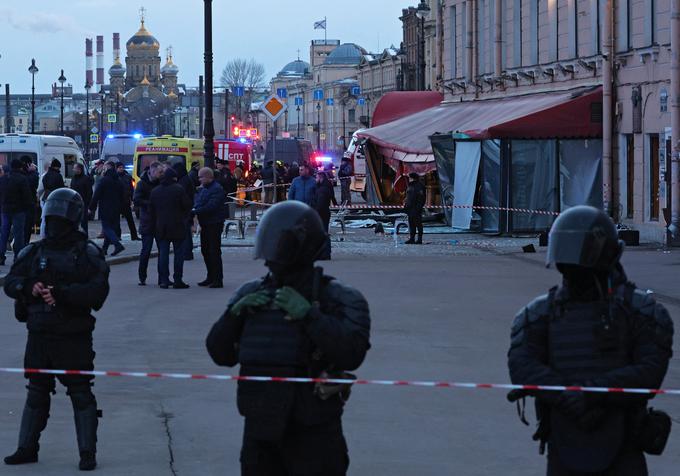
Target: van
355, 154
42, 150
289, 151
166, 150
120, 148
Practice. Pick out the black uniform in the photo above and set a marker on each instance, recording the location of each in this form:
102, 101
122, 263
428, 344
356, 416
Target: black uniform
597, 329
289, 428
415, 201
59, 335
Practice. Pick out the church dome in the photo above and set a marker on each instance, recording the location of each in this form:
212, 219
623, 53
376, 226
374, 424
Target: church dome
345, 54
117, 69
295, 68
169, 68
143, 39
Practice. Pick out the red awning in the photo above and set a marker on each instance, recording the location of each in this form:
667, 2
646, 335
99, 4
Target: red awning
398, 104
550, 115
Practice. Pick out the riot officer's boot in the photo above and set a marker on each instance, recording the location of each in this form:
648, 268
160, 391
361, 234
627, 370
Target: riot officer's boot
85, 415
33, 422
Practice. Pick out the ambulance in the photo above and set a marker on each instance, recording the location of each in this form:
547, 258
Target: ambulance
42, 150
168, 150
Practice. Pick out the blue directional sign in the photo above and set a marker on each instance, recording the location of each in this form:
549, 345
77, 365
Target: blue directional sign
330, 102
239, 91
282, 93
318, 94
361, 101
356, 90
299, 100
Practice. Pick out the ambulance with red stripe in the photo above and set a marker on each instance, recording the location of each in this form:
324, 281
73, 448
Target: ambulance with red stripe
167, 150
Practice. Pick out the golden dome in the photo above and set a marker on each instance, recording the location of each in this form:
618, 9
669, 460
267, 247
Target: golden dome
172, 95
143, 39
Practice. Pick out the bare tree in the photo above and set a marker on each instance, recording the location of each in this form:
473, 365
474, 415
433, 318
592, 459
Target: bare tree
246, 73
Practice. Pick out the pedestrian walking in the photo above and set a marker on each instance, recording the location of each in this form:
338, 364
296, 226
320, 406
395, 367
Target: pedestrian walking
596, 330
16, 202
58, 315
294, 322
142, 199
325, 196
209, 208
415, 202
108, 197
52, 179
82, 183
128, 189
345, 175
303, 188
187, 184
170, 210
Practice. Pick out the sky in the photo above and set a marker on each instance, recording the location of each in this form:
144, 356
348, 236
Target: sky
271, 31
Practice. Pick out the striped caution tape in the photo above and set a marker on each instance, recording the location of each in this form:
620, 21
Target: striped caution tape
446, 207
395, 383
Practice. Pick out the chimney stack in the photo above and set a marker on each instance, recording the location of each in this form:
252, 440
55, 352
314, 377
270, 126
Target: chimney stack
89, 79
100, 59
116, 46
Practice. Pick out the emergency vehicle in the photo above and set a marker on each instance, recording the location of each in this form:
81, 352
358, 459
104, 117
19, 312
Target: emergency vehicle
355, 154
42, 150
166, 150
234, 152
120, 148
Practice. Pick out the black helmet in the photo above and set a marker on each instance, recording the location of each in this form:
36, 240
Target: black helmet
584, 236
290, 233
64, 203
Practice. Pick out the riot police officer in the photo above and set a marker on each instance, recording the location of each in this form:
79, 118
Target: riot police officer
294, 322
56, 283
596, 329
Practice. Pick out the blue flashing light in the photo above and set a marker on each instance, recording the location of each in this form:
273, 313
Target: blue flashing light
137, 135
110, 136
243, 140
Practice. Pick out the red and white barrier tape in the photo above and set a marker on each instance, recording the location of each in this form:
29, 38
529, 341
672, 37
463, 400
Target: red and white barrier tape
396, 383
442, 207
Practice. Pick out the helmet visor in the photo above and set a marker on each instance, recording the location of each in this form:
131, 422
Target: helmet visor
67, 209
575, 247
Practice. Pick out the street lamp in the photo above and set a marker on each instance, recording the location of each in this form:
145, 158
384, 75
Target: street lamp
87, 118
33, 69
422, 11
62, 80
102, 104
209, 127
318, 126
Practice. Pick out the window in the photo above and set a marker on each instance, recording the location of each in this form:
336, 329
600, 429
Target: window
533, 31
630, 175
572, 6
464, 40
650, 22
517, 34
491, 29
481, 35
596, 16
554, 22
454, 44
654, 177
352, 115
623, 25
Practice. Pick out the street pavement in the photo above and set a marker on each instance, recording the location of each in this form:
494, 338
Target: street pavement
441, 311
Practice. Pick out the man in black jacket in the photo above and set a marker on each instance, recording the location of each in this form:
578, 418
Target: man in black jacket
15, 204
345, 175
82, 183
209, 209
142, 199
294, 322
108, 196
128, 189
325, 195
187, 184
33, 177
52, 179
170, 209
595, 330
415, 202
56, 283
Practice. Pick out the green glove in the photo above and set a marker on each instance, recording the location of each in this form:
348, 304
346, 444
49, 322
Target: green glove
249, 302
293, 303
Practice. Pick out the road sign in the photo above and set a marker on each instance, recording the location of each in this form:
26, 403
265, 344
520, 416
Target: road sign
111, 118
361, 101
239, 91
94, 138
323, 136
318, 94
330, 102
299, 101
282, 93
273, 107
356, 90
94, 130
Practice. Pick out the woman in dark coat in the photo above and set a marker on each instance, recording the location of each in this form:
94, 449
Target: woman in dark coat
324, 196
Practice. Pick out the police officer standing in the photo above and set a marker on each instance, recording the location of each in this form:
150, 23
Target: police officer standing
596, 329
294, 322
56, 283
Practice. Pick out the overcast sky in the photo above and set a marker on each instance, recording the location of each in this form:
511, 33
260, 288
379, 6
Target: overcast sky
271, 31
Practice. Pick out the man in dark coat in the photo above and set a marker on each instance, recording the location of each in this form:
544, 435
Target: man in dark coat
345, 175
294, 322
142, 199
52, 179
108, 196
193, 173
325, 195
187, 184
595, 330
415, 202
170, 211
128, 190
209, 208
82, 183
56, 283
16, 202
33, 177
